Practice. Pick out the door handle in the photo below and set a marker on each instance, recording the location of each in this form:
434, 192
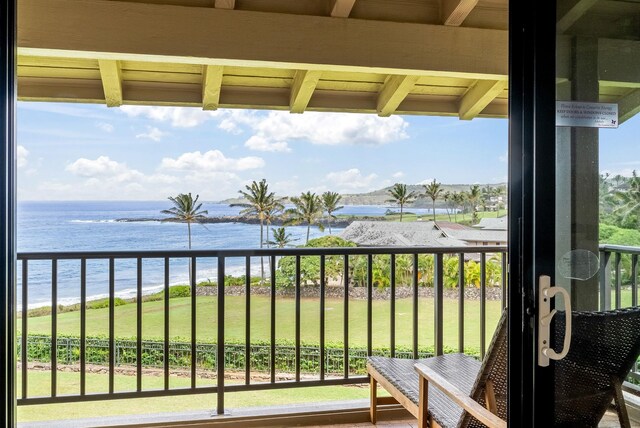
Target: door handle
545, 293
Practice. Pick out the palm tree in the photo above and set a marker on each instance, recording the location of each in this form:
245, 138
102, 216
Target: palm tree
433, 191
401, 196
459, 199
473, 196
308, 209
271, 213
330, 201
447, 198
259, 202
280, 238
629, 199
185, 209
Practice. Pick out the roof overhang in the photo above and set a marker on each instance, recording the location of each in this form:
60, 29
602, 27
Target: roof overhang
432, 57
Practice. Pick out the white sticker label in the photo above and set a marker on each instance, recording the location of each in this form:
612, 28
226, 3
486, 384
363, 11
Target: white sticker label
586, 115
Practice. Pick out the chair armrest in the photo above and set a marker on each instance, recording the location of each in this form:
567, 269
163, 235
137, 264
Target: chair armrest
463, 400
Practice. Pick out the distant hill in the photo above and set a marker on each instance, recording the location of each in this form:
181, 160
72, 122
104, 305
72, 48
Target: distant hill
380, 196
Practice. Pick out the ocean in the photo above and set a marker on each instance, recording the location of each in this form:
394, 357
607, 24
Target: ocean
92, 226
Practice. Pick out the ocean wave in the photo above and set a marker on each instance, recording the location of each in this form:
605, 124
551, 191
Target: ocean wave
93, 221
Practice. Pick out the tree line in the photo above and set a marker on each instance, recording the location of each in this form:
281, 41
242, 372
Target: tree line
455, 202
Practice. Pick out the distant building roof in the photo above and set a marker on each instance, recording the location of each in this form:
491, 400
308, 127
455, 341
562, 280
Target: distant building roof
491, 237
391, 233
490, 223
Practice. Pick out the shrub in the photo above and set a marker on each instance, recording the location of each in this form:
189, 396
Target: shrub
104, 303
179, 291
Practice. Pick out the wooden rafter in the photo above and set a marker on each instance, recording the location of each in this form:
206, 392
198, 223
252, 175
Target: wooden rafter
111, 75
304, 83
179, 94
628, 106
341, 8
454, 12
394, 91
211, 84
479, 96
569, 11
104, 29
225, 4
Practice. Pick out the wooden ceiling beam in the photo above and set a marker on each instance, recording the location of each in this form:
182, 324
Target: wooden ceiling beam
211, 84
103, 29
341, 8
479, 96
111, 75
190, 95
304, 83
569, 11
225, 4
454, 12
628, 106
393, 92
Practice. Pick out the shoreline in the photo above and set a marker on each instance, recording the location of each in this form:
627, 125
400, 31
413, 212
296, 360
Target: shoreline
340, 222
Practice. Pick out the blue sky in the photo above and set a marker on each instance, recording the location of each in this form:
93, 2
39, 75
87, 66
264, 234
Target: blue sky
91, 152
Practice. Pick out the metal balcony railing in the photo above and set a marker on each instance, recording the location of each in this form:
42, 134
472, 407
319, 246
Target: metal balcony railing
324, 364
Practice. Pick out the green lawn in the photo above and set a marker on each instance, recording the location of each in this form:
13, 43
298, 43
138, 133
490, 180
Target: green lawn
125, 316
68, 383
180, 321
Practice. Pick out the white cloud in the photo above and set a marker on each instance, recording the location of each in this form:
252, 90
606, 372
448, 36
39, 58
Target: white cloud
102, 166
351, 179
152, 133
398, 174
22, 155
179, 117
625, 172
106, 127
325, 128
426, 181
262, 144
504, 157
211, 161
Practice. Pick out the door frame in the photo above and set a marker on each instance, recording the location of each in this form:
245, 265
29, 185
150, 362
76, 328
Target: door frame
8, 209
532, 95
531, 196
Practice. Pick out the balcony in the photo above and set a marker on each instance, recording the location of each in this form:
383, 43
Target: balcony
311, 322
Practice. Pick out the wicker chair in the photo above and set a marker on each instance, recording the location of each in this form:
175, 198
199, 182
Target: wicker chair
455, 390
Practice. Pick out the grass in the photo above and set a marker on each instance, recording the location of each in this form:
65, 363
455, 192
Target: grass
180, 319
206, 314
68, 383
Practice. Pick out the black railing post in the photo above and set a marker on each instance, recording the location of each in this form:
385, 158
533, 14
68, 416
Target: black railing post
483, 303
112, 350
369, 304
605, 280
247, 321
273, 319
461, 302
297, 320
345, 316
83, 326
194, 323
415, 306
166, 323
139, 324
618, 283
322, 316
634, 280
54, 327
438, 283
392, 308
24, 347
220, 341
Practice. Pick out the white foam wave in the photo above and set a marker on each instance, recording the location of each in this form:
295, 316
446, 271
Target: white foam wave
93, 221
